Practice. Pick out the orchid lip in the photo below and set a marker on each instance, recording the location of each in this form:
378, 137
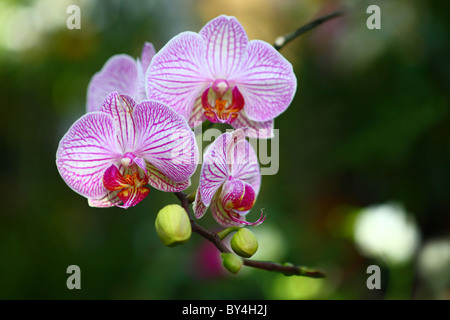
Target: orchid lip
129, 187
224, 110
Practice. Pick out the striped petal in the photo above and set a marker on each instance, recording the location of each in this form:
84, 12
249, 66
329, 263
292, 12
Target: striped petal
197, 116
104, 202
86, 151
119, 74
148, 52
266, 80
258, 129
120, 109
177, 74
198, 206
165, 140
228, 218
244, 164
226, 41
161, 182
215, 169
237, 195
142, 65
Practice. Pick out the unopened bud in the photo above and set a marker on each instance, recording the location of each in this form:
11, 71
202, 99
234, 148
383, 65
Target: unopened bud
172, 225
232, 262
244, 243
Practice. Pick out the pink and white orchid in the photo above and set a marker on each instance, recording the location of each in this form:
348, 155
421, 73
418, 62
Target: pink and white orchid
229, 180
110, 155
120, 73
219, 75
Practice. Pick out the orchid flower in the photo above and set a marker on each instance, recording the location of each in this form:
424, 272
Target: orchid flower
109, 156
221, 76
229, 180
120, 73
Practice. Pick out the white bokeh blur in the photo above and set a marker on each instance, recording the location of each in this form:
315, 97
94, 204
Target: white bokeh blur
386, 232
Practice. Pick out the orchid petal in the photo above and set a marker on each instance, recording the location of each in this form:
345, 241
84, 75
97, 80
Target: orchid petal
197, 116
228, 218
258, 129
118, 74
86, 151
226, 41
266, 80
176, 75
161, 182
104, 202
237, 195
142, 65
165, 140
215, 170
141, 164
120, 108
198, 206
244, 163
148, 52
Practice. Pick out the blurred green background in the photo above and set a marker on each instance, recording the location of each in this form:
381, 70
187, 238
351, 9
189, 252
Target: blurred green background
369, 124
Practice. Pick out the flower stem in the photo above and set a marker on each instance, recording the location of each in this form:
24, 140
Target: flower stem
287, 269
222, 234
281, 41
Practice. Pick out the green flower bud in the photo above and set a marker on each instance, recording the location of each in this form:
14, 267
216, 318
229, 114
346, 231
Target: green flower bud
172, 225
244, 243
232, 262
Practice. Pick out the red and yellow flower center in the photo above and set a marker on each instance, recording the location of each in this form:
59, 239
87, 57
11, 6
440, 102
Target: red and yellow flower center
130, 186
222, 103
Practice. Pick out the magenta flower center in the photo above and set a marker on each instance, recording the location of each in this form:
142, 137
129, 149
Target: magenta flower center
128, 184
221, 103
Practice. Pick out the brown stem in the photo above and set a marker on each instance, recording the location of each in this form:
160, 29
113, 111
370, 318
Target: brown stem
280, 42
287, 269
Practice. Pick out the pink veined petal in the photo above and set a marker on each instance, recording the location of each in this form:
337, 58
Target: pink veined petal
238, 196
104, 202
118, 74
177, 74
86, 151
197, 116
142, 65
236, 137
120, 108
258, 129
215, 170
141, 164
244, 164
228, 218
198, 206
266, 80
226, 42
148, 52
232, 193
165, 140
140, 84
161, 182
